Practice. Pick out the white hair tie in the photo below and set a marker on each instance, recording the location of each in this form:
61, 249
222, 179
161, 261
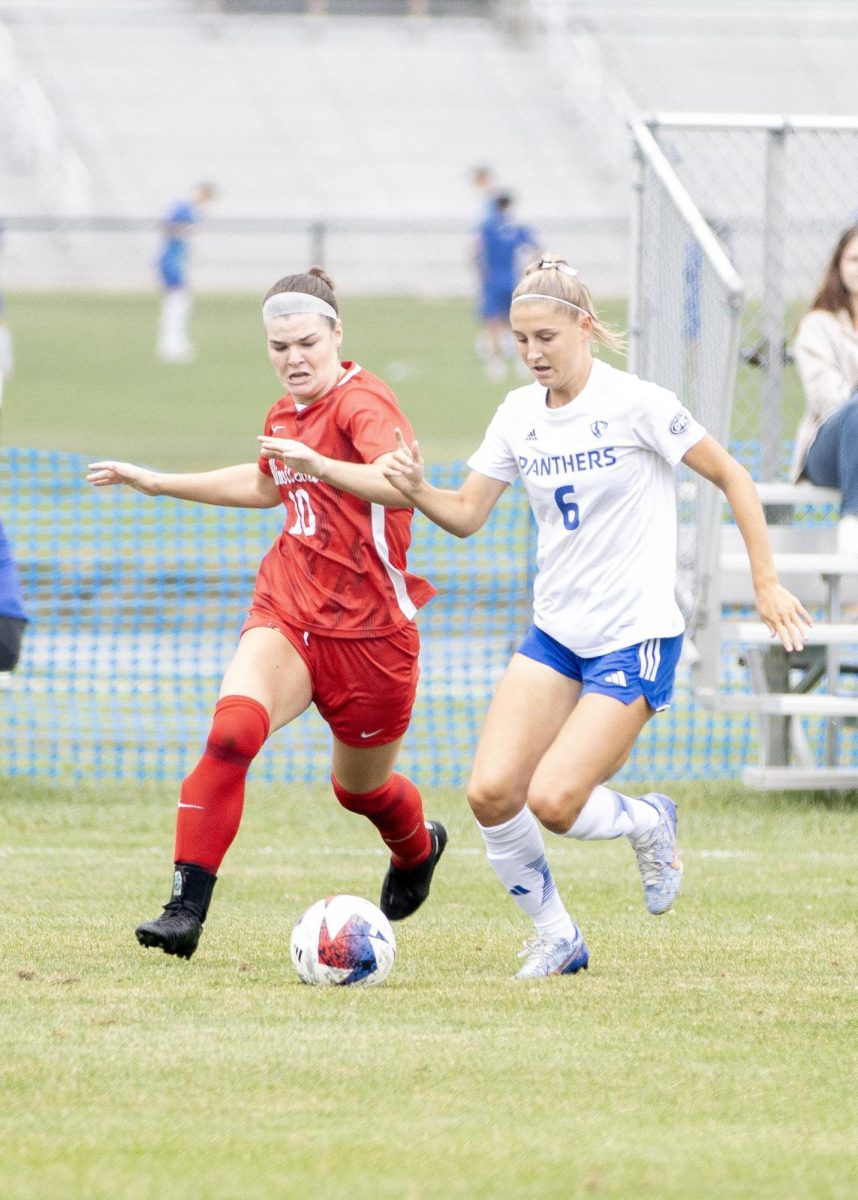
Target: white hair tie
291, 304
546, 264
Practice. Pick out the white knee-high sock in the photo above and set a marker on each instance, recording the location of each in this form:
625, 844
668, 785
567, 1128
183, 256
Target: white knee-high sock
517, 853
609, 814
173, 328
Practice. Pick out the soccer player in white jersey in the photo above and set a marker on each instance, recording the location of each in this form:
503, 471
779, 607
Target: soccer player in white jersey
595, 448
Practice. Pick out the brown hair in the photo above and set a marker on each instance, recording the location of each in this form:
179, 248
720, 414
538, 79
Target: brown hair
832, 295
313, 282
543, 279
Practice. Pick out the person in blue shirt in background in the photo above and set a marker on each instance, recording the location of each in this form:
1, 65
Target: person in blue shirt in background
501, 242
13, 616
173, 344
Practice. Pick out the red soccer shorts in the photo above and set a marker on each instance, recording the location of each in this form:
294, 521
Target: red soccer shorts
363, 687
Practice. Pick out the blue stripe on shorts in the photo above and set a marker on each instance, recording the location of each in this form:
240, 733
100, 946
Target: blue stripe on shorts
645, 669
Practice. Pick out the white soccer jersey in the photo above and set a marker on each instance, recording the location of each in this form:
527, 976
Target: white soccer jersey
599, 476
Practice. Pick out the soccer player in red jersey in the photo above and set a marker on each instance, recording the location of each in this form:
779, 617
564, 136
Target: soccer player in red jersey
332, 616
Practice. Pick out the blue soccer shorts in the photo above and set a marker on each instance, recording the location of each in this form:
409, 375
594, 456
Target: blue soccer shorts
495, 299
171, 269
645, 669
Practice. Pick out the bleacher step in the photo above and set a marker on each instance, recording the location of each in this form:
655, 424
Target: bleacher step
784, 704
796, 564
797, 494
835, 779
755, 633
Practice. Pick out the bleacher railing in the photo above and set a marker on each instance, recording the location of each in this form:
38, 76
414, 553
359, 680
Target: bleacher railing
684, 328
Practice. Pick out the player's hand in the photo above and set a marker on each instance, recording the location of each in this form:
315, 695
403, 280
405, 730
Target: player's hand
295, 455
785, 616
103, 474
404, 468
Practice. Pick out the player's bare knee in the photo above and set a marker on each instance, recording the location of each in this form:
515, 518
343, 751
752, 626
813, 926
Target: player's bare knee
556, 808
491, 801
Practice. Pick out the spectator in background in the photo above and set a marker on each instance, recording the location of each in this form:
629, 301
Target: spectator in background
173, 343
826, 357
13, 617
692, 268
500, 243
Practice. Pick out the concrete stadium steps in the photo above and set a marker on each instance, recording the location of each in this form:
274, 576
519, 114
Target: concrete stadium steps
763, 56
366, 116
357, 117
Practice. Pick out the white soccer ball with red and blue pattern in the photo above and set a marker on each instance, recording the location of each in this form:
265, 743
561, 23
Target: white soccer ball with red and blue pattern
345, 941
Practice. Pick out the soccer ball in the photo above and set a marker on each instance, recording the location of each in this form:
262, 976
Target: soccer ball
343, 940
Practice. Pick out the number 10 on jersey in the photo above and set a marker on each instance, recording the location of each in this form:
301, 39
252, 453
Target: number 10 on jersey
305, 518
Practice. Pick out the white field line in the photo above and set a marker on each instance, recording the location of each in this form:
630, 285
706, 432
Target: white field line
330, 852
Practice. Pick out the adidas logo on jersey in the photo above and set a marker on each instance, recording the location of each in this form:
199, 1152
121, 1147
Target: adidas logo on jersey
531, 437
617, 677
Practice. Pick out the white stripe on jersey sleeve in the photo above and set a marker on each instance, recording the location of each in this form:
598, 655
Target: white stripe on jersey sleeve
406, 605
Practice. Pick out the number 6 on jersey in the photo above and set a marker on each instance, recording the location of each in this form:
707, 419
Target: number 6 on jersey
568, 508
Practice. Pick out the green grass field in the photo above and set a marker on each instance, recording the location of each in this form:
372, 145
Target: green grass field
709, 1053
86, 379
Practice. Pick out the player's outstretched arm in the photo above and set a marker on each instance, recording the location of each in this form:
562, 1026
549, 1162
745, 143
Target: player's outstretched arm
785, 616
241, 486
460, 512
364, 480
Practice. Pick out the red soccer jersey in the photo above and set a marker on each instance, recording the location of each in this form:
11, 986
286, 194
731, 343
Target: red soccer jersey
338, 567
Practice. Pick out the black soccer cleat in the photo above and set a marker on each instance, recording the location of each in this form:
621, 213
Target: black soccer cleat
177, 931
403, 891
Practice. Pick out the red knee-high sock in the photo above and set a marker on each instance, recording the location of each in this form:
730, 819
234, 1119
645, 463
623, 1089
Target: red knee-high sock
396, 810
212, 796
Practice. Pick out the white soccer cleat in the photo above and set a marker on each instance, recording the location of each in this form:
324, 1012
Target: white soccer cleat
553, 956
658, 856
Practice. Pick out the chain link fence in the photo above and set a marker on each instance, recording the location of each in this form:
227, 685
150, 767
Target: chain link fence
778, 192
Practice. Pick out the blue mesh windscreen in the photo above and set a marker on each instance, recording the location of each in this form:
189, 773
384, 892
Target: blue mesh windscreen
135, 607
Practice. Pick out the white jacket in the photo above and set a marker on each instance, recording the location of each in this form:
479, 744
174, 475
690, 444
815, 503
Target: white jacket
826, 357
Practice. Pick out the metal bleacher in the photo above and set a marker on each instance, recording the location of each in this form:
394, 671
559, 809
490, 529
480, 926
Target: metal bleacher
814, 683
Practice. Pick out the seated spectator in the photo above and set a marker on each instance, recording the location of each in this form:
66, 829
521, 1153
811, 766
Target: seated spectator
826, 356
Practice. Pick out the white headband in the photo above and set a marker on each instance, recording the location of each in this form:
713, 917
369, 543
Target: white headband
546, 264
552, 300
291, 304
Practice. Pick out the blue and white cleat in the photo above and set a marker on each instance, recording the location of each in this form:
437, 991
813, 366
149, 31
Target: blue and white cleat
658, 856
554, 956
